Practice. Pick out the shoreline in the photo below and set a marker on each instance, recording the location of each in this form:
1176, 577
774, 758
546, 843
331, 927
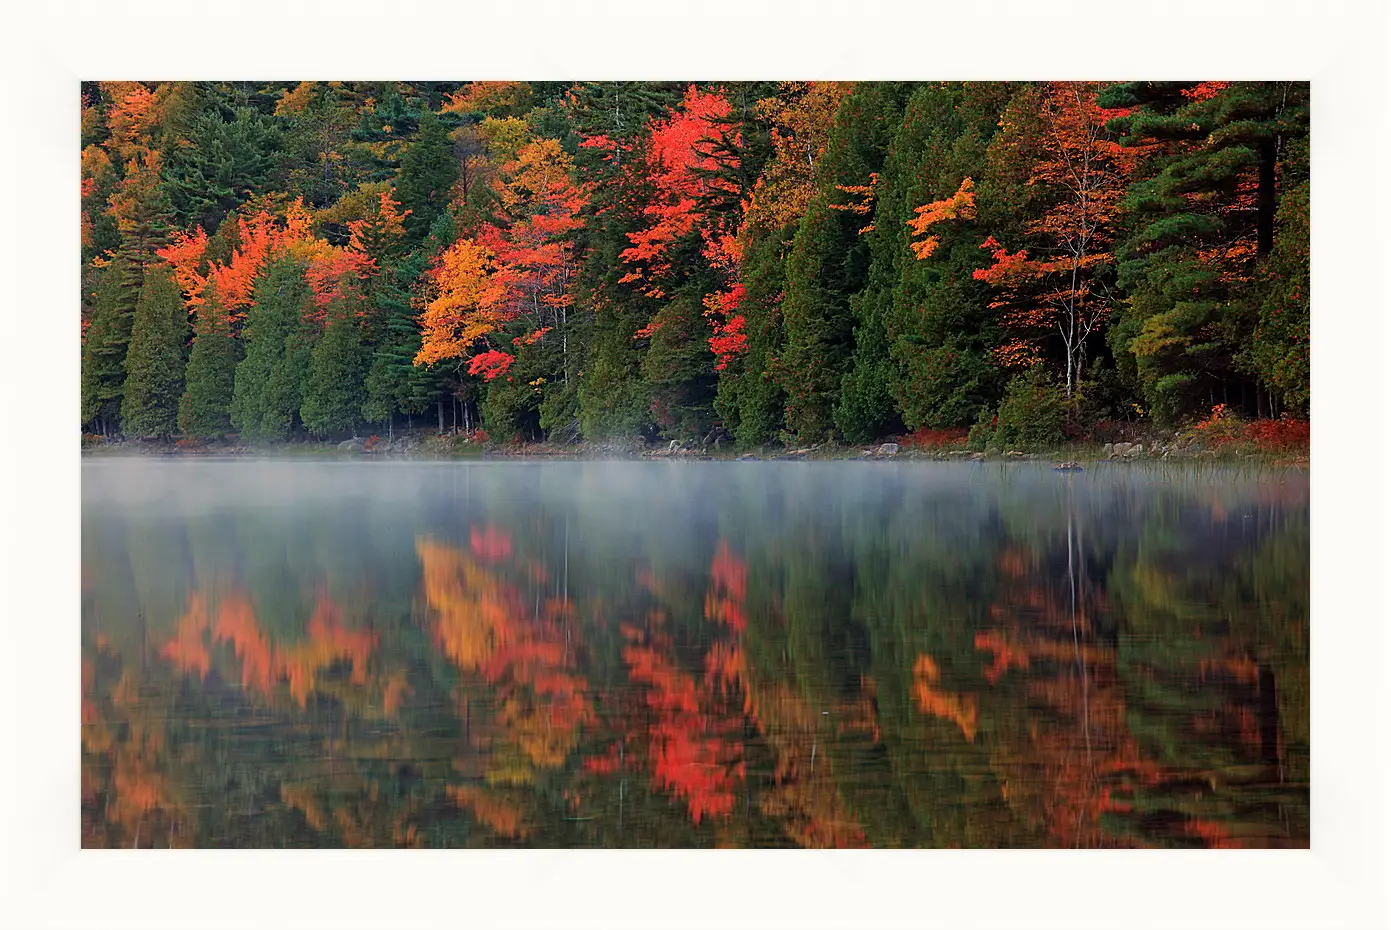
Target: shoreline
444, 447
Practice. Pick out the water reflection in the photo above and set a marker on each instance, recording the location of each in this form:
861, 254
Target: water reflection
693, 654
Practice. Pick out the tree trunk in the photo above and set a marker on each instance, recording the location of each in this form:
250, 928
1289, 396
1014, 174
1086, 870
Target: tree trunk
439, 405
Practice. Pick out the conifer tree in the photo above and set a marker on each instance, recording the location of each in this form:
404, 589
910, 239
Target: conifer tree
155, 361
205, 408
333, 387
425, 182
1202, 225
104, 348
830, 260
266, 392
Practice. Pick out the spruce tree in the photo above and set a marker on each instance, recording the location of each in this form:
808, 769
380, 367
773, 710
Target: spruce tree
155, 361
679, 367
935, 315
205, 408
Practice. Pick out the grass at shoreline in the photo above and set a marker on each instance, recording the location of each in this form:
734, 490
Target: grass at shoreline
449, 447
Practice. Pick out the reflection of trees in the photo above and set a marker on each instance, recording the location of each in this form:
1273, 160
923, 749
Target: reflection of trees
1066, 661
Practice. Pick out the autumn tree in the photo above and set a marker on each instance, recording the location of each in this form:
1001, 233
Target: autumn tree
1057, 285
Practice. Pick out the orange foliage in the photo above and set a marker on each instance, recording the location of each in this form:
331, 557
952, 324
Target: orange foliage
959, 206
188, 649
801, 114
961, 709
501, 816
466, 306
1006, 656
481, 624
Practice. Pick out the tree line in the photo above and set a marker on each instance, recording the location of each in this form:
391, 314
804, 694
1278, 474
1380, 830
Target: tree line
771, 261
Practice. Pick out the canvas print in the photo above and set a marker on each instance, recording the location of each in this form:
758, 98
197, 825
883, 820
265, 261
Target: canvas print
695, 464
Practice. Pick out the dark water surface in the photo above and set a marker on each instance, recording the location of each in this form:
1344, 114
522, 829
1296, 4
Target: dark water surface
377, 653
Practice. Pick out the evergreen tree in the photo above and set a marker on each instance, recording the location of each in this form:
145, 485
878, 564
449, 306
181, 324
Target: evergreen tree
1202, 225
830, 260
936, 316
266, 392
220, 164
426, 179
104, 348
205, 408
155, 361
679, 369
333, 387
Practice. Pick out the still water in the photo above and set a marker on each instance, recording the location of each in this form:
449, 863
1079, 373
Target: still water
679, 654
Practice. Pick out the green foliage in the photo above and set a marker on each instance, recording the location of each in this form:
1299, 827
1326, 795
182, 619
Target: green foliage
333, 391
266, 395
679, 368
221, 164
206, 405
154, 363
104, 345
830, 261
1032, 414
426, 179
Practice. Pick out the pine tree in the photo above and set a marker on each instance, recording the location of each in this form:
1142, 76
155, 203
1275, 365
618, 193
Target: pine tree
266, 393
221, 163
1201, 227
425, 182
205, 408
155, 361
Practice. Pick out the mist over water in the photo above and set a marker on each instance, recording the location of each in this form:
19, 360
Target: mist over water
887, 654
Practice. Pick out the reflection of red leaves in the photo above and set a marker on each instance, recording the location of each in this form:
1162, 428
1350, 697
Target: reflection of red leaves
1006, 656
490, 543
693, 759
728, 582
188, 649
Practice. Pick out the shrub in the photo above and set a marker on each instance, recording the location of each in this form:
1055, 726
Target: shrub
1283, 435
937, 438
1033, 412
982, 434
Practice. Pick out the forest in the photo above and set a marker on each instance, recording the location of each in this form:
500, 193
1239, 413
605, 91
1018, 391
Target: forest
763, 262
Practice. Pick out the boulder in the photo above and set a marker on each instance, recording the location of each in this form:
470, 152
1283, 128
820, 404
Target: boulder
1107, 449
1121, 448
888, 448
1137, 449
352, 445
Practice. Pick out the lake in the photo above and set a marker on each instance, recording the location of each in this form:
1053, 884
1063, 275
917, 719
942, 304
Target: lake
377, 653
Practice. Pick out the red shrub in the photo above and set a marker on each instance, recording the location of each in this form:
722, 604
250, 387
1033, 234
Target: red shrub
936, 438
1280, 435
